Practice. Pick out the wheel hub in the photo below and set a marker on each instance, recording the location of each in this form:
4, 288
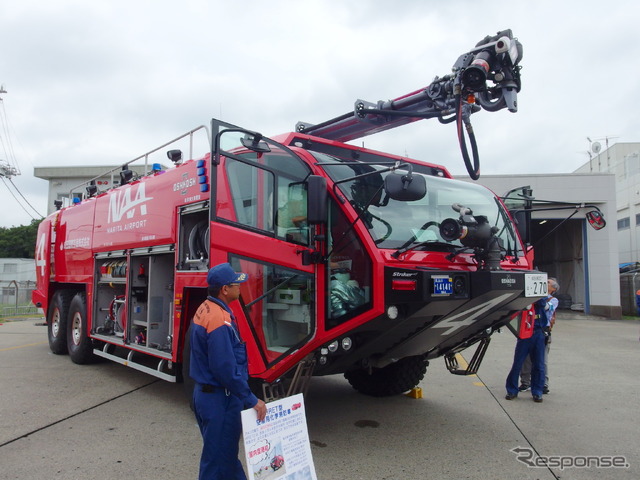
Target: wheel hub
76, 329
55, 323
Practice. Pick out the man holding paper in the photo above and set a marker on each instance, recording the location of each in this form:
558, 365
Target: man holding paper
218, 364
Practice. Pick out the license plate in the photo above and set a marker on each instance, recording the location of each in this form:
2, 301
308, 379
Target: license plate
442, 285
535, 285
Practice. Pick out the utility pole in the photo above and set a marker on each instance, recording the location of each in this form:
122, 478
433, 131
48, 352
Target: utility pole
6, 170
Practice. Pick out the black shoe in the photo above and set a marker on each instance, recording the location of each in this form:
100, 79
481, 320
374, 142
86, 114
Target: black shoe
524, 388
511, 396
545, 390
537, 398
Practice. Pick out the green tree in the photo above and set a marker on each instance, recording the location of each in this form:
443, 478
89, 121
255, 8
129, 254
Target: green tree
19, 242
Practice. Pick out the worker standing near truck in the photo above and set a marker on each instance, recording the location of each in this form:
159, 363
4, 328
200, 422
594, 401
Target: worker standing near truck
534, 347
219, 367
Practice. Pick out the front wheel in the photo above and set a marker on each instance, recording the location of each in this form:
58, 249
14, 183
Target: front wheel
393, 379
79, 343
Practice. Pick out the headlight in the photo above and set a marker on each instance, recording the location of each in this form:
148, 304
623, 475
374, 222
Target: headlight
333, 346
346, 343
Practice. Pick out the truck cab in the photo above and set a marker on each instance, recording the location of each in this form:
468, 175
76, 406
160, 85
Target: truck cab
368, 263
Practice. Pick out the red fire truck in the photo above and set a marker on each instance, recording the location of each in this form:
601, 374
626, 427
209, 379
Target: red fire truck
360, 262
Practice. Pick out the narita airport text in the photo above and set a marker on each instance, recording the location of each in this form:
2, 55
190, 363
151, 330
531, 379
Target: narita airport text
127, 226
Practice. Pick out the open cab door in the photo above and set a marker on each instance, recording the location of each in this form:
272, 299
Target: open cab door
261, 224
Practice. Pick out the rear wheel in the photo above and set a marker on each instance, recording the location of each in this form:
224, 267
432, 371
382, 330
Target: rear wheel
393, 379
78, 342
57, 321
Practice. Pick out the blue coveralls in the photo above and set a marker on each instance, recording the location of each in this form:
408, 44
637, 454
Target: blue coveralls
535, 347
219, 367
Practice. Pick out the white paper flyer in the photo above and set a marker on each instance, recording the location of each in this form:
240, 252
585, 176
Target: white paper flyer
278, 447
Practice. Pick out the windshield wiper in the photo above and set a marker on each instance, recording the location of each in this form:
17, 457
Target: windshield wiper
413, 245
408, 245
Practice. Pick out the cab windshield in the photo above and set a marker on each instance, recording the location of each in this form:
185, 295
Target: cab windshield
408, 225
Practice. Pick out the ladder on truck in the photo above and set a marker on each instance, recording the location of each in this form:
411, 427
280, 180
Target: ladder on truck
299, 382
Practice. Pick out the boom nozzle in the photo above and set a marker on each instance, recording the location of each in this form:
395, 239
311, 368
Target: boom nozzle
488, 75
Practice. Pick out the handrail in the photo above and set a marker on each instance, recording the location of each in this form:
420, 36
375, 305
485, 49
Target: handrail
189, 134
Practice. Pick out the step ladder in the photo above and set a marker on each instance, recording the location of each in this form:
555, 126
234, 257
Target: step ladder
299, 382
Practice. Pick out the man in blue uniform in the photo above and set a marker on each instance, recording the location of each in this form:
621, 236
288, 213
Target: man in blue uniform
219, 367
550, 310
535, 348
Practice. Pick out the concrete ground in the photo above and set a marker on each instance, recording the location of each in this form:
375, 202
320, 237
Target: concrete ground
59, 420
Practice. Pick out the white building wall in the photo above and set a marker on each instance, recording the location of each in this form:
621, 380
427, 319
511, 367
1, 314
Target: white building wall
16, 275
17, 269
602, 247
623, 161
66, 181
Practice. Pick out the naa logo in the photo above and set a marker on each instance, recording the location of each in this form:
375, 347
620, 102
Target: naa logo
126, 202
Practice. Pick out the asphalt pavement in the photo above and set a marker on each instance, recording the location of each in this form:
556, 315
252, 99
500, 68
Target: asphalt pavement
59, 420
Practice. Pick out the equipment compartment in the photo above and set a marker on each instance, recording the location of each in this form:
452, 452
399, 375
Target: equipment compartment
134, 297
111, 275
194, 237
151, 298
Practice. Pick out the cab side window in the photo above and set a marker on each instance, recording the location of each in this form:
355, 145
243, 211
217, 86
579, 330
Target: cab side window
268, 194
350, 273
280, 306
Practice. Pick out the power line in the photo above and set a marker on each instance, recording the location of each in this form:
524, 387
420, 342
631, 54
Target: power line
9, 166
16, 199
17, 190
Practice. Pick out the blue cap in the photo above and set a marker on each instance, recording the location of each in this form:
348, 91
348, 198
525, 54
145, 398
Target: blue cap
223, 274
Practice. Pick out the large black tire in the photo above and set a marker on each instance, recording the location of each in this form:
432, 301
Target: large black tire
393, 379
79, 343
57, 321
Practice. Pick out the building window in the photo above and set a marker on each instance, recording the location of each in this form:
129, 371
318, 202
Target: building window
623, 223
631, 164
637, 219
10, 268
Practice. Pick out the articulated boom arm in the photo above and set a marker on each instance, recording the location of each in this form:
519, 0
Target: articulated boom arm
453, 97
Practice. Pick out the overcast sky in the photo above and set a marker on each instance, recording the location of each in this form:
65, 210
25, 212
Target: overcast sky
101, 82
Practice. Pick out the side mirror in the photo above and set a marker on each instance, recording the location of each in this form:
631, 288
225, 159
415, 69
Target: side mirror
405, 187
522, 220
317, 200
596, 219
